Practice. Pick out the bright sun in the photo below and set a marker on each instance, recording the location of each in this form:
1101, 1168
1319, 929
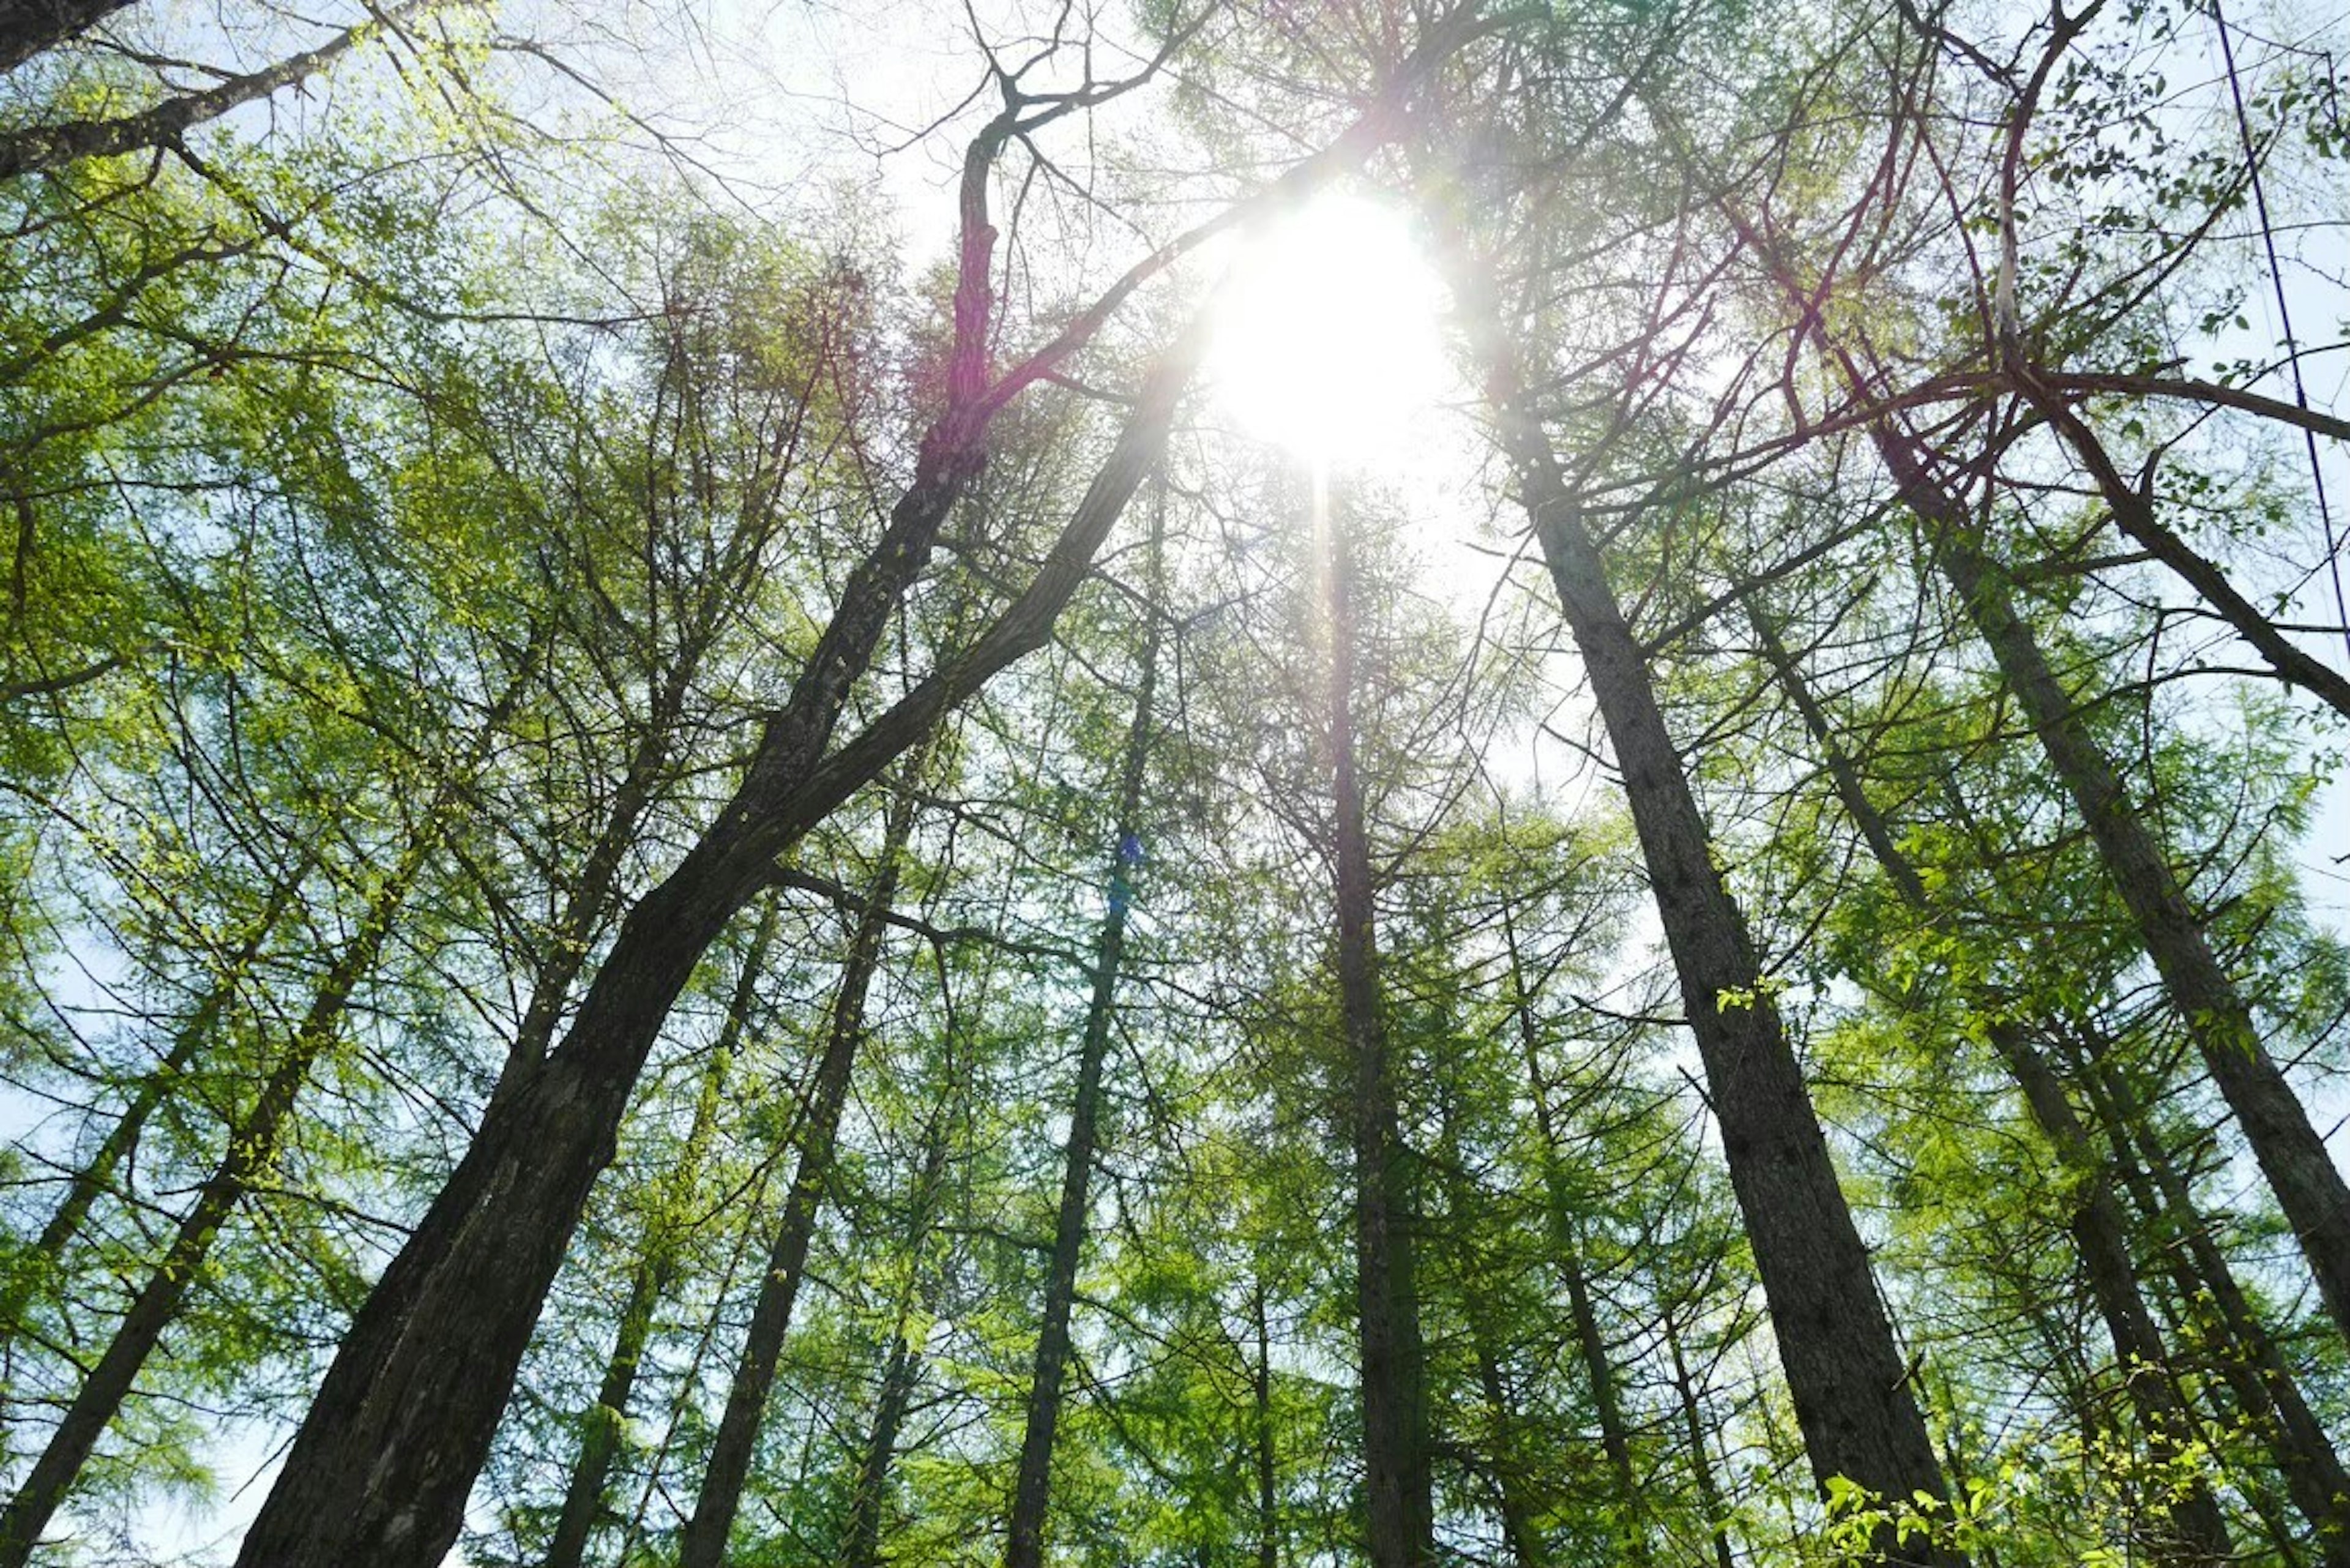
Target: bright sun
1327, 343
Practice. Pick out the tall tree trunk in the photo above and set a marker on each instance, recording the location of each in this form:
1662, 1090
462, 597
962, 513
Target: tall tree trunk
703, 1543
1709, 1491
656, 1270
1567, 1251
869, 1501
2246, 1353
28, 1269
1852, 1391
251, 1149
377, 1474
2099, 1235
1268, 1492
1031, 1488
1399, 1503
2308, 1188
1519, 1531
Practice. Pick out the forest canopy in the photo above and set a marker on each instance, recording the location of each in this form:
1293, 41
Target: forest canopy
1295, 782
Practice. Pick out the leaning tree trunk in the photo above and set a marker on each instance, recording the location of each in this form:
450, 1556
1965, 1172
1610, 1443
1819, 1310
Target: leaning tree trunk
1032, 1490
27, 1268
1520, 1531
656, 1270
703, 1543
1851, 1388
2099, 1236
2249, 1359
2308, 1188
29, 26
251, 1149
377, 1474
1709, 1491
1398, 1501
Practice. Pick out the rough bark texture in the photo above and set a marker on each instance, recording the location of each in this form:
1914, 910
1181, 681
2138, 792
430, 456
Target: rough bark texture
1397, 1496
378, 1472
656, 1272
1031, 1488
2311, 1191
1851, 1388
29, 26
703, 1543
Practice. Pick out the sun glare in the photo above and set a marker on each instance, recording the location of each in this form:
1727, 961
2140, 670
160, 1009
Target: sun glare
1327, 343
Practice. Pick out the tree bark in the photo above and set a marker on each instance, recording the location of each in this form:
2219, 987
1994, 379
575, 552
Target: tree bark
656, 1272
1852, 1390
37, 147
703, 1543
2310, 1190
1268, 1494
251, 1148
1399, 1490
1519, 1531
1031, 1488
2247, 1355
378, 1472
27, 27
2099, 1236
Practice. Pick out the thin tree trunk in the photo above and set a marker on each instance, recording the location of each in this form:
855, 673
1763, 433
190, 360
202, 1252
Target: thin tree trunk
1852, 1390
2099, 1236
1031, 1488
1708, 1492
1399, 1501
251, 1149
656, 1270
703, 1543
1518, 1528
28, 1269
1567, 1252
2310, 1190
869, 1501
1268, 1495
